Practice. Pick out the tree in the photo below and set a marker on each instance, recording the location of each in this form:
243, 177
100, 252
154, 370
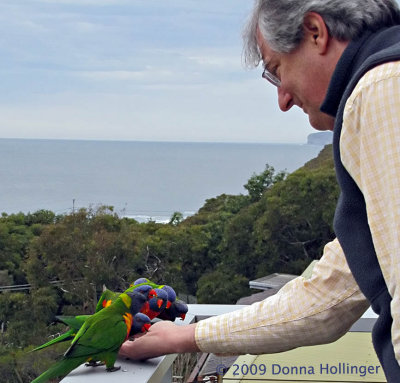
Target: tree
222, 286
297, 220
258, 183
176, 218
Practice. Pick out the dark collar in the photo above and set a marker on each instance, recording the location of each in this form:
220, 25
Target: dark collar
359, 55
342, 74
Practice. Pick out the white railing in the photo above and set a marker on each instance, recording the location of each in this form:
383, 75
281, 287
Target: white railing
156, 370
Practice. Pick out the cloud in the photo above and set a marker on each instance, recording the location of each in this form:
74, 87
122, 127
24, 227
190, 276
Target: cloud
194, 112
143, 69
121, 75
81, 3
217, 61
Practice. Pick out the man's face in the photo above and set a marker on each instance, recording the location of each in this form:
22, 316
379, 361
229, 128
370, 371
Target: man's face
304, 79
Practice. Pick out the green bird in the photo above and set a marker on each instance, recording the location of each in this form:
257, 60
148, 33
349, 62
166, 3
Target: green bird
108, 296
105, 300
100, 337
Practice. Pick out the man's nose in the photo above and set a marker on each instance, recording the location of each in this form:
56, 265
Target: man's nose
285, 100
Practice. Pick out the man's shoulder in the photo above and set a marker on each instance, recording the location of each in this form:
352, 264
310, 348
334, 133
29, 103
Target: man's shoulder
381, 73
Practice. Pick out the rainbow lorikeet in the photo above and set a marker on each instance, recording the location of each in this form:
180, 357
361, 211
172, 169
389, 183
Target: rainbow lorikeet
108, 296
141, 323
100, 337
178, 309
157, 297
168, 289
155, 305
106, 299
175, 308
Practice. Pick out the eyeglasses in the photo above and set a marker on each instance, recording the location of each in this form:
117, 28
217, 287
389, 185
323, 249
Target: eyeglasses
272, 78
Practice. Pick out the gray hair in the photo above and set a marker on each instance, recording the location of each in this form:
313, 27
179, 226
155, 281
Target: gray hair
281, 21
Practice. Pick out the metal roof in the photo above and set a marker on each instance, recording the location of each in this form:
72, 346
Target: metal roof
278, 280
272, 281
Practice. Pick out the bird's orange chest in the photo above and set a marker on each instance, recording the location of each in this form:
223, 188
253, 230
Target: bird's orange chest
128, 319
145, 308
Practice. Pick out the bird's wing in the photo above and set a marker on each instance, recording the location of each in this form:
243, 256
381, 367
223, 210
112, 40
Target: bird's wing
74, 322
107, 333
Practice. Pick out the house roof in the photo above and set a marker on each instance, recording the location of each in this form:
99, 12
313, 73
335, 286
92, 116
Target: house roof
257, 297
272, 281
276, 280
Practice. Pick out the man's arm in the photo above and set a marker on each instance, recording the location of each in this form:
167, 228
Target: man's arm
304, 312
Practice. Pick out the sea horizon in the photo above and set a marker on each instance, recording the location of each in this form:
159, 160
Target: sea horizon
155, 141
141, 179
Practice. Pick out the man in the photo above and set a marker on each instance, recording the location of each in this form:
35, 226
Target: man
339, 61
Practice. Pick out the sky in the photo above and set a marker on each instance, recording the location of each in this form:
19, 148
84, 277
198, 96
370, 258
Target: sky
146, 70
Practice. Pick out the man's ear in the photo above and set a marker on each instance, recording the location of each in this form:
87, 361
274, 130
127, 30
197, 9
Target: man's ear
316, 31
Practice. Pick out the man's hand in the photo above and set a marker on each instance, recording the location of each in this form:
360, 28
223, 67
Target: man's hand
163, 338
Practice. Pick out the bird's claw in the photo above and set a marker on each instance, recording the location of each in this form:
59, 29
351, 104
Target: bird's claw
94, 364
112, 369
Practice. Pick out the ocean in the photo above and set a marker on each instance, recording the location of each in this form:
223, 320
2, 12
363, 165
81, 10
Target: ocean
142, 180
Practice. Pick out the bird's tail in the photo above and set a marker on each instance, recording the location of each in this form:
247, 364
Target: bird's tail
62, 338
59, 369
74, 322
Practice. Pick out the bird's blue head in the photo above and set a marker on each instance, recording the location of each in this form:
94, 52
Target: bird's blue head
146, 290
181, 309
137, 301
171, 295
140, 280
141, 323
159, 302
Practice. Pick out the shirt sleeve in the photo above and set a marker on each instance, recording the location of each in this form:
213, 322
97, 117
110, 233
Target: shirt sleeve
370, 147
304, 312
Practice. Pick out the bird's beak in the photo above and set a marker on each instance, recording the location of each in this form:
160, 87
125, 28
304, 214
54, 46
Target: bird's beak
146, 327
183, 316
159, 303
168, 304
